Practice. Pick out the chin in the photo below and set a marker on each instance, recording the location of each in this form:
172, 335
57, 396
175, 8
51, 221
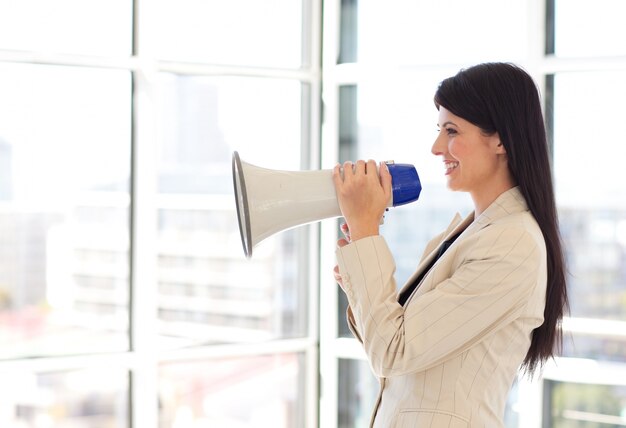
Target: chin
456, 187
452, 186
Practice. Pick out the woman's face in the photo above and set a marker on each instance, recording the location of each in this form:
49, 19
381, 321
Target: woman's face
473, 162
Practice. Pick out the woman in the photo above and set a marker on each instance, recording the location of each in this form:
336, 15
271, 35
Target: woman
489, 293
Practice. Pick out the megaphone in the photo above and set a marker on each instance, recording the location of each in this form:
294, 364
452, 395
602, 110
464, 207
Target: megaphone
269, 201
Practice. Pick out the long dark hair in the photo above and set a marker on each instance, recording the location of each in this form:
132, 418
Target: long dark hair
503, 98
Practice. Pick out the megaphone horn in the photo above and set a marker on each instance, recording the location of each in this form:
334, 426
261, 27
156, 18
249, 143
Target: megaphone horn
269, 201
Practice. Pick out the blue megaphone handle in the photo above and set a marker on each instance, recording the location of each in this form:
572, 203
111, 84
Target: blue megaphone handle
405, 183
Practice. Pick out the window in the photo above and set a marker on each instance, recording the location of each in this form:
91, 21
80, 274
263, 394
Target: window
126, 299
232, 299
593, 225
101, 28
586, 388
239, 32
65, 148
580, 404
74, 397
582, 29
256, 390
125, 296
382, 64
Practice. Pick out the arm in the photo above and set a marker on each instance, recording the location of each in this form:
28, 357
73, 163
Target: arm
497, 274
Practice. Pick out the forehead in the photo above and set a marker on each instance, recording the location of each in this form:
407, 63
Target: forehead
447, 117
445, 114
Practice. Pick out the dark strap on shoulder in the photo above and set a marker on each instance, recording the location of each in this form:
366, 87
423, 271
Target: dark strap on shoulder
406, 293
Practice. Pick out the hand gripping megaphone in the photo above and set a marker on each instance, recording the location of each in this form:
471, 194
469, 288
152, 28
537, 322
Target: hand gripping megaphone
269, 201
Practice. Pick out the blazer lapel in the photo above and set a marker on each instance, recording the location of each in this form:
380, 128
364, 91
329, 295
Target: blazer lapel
456, 226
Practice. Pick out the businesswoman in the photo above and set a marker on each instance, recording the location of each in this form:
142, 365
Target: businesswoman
488, 295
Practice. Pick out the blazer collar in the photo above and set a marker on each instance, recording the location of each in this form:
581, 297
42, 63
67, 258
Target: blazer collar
510, 202
507, 203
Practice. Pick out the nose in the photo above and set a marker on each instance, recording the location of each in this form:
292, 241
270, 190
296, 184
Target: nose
439, 146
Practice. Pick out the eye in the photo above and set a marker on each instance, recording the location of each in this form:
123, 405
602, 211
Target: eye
451, 131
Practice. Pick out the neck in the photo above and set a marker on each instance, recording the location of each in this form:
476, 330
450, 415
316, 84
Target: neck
484, 198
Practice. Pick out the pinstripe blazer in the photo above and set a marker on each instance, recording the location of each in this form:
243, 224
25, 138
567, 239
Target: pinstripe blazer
449, 356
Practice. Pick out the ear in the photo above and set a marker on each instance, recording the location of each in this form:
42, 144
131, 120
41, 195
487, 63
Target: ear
497, 145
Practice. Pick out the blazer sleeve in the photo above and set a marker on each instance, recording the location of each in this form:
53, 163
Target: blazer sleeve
497, 273
430, 246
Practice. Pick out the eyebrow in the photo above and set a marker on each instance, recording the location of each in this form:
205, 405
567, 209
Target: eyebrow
448, 122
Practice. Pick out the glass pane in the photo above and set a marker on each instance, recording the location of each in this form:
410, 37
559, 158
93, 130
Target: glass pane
64, 210
401, 31
95, 27
348, 36
596, 348
348, 150
591, 196
577, 405
73, 399
252, 392
208, 291
512, 407
584, 28
234, 32
358, 391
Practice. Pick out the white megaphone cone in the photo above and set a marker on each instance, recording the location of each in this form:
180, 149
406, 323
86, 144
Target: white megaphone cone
269, 201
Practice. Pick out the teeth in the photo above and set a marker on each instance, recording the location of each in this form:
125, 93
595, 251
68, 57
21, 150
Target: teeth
451, 165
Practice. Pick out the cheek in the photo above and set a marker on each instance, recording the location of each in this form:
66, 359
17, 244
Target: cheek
457, 149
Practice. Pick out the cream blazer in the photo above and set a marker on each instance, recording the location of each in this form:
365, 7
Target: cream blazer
448, 358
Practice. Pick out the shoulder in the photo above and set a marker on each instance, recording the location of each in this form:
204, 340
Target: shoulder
508, 220
521, 225
515, 237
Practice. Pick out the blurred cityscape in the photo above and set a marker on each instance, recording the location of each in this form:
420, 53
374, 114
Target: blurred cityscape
64, 275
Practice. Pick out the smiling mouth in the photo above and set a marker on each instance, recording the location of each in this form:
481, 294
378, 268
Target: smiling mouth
450, 166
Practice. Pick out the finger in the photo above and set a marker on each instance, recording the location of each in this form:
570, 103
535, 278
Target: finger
372, 168
348, 170
337, 178
385, 178
336, 272
337, 276
360, 167
346, 230
342, 242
